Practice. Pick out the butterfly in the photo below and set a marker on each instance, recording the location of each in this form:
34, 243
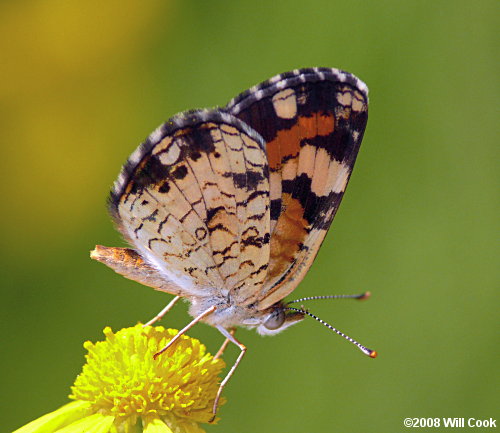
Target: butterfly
227, 207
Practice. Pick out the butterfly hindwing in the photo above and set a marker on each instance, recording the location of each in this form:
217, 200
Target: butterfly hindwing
194, 202
312, 121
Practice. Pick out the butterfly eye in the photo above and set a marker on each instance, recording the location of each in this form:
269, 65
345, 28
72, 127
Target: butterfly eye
275, 319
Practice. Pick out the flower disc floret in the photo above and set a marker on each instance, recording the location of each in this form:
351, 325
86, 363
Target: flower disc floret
121, 377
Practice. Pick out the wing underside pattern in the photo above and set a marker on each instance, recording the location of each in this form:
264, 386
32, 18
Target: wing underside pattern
312, 122
194, 201
237, 201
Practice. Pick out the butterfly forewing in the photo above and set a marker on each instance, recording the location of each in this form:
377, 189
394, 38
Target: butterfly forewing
312, 121
194, 201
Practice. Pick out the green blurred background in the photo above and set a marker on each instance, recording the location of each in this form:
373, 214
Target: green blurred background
81, 85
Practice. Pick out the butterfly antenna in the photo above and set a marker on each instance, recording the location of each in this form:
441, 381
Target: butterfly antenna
365, 350
359, 297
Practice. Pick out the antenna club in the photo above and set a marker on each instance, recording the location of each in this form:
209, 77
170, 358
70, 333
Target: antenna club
373, 354
364, 296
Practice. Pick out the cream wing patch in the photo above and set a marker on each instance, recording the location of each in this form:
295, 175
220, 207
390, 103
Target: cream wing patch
285, 104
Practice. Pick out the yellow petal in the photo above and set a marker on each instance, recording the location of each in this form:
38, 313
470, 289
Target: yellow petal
155, 425
59, 418
97, 423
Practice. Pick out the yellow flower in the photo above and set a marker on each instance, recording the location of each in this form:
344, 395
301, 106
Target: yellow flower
121, 384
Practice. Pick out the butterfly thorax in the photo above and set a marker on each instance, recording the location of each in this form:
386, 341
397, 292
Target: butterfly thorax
229, 314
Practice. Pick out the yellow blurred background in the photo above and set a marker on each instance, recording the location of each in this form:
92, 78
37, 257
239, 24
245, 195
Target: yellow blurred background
83, 83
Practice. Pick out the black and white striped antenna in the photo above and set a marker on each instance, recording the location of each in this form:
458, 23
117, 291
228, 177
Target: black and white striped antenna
360, 297
365, 350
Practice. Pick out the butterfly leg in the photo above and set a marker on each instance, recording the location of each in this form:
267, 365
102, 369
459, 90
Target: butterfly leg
163, 312
243, 349
224, 345
185, 329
